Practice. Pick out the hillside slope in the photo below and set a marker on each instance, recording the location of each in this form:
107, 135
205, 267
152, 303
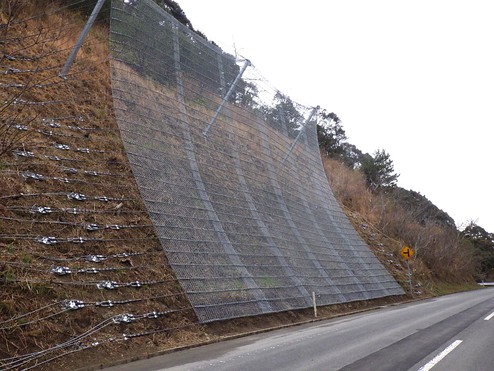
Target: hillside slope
444, 260
82, 274
78, 252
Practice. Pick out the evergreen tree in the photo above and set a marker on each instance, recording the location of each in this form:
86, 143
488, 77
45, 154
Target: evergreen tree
333, 140
284, 115
330, 134
379, 170
483, 242
352, 156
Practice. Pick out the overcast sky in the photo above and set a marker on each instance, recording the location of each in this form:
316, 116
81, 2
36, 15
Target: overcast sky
415, 78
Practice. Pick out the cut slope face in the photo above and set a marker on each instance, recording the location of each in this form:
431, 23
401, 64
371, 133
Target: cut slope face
78, 254
231, 175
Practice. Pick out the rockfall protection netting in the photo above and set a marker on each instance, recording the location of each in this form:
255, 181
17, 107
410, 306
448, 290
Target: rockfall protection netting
230, 171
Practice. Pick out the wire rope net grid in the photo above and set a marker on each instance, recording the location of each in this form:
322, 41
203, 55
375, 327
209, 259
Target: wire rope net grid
222, 203
60, 180
200, 185
235, 174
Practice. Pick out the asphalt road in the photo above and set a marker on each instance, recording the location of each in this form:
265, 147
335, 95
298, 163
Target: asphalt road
453, 332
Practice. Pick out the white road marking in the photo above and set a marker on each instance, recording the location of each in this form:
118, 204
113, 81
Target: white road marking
440, 356
489, 316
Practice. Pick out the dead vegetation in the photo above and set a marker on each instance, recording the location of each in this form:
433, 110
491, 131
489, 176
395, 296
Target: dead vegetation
441, 254
77, 250
72, 221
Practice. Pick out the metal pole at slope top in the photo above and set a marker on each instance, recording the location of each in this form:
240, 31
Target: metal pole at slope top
82, 37
230, 91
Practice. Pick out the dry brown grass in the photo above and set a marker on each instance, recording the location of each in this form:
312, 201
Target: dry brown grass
441, 256
348, 186
26, 283
25, 278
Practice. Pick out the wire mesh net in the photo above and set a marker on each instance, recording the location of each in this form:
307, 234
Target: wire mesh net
230, 172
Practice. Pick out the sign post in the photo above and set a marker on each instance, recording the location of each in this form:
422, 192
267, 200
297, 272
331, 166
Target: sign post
407, 253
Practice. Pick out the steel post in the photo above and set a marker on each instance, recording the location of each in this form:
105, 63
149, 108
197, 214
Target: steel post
230, 91
77, 46
302, 129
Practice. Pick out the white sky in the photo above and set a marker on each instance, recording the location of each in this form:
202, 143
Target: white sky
415, 78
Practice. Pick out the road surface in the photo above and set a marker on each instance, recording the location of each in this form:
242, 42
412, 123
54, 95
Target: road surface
453, 332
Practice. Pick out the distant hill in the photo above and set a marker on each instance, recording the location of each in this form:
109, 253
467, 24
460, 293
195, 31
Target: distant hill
421, 208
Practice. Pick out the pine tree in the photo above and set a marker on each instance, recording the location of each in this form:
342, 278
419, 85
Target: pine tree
331, 134
379, 170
